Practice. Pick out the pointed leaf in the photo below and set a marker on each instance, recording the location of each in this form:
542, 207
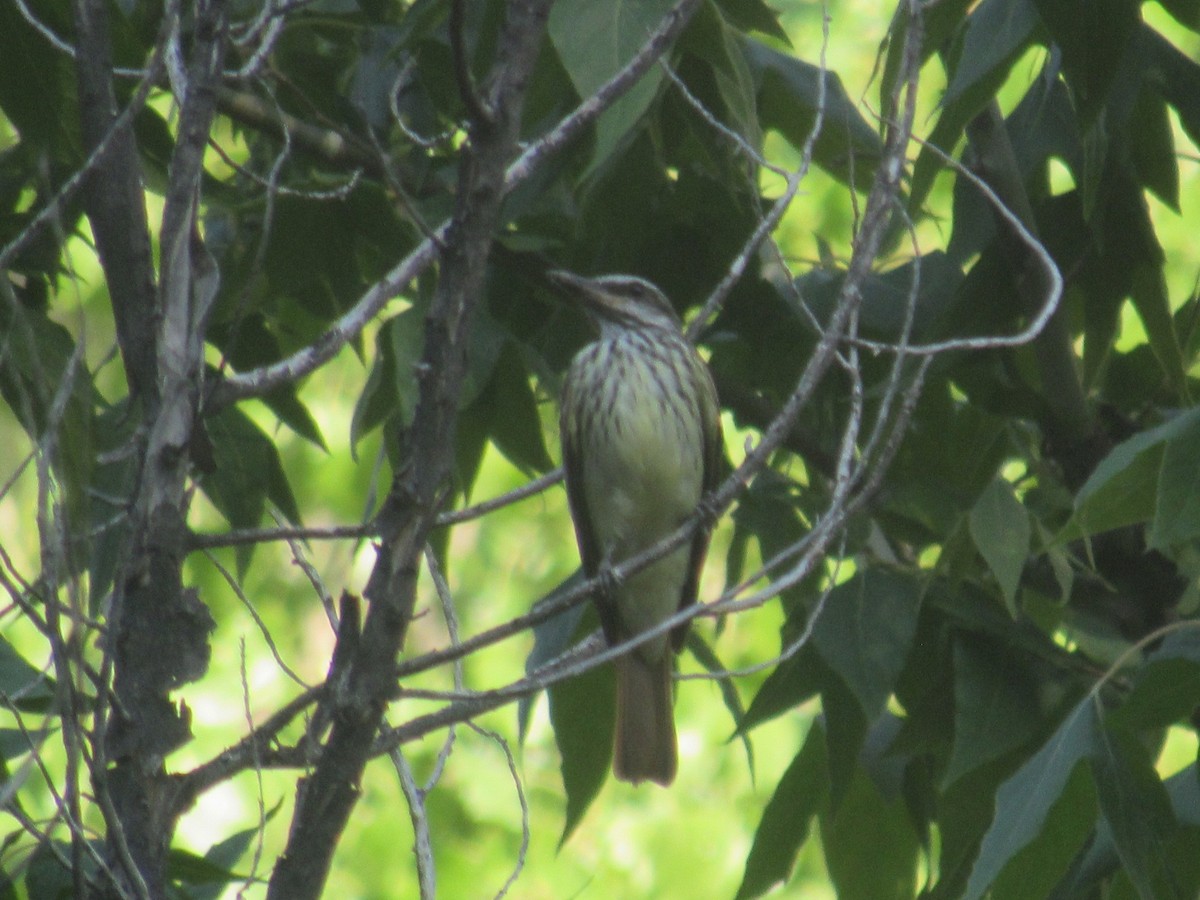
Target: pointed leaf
789, 94
801, 793
594, 41
1024, 801
582, 713
865, 632
1122, 489
550, 638
993, 697
1137, 808
1001, 530
1177, 511
868, 826
26, 687
793, 682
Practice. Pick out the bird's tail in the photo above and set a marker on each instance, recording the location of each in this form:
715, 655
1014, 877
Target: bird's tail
645, 741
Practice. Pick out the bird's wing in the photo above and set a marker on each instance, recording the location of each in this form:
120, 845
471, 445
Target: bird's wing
590, 553
714, 444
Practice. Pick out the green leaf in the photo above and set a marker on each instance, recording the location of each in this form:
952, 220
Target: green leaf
594, 41
1185, 12
221, 858
789, 92
793, 682
37, 360
707, 657
1069, 825
1000, 528
582, 711
1123, 488
1179, 81
868, 826
1166, 687
1177, 510
754, 15
1137, 808
192, 869
846, 733
22, 684
516, 426
550, 638
800, 795
1153, 147
991, 39
993, 699
1024, 800
994, 34
710, 38
1093, 37
391, 388
938, 24
865, 631
247, 471
886, 296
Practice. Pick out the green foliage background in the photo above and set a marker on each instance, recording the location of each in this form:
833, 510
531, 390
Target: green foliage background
985, 665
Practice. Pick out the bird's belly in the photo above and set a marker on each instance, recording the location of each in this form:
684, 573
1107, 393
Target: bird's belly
644, 480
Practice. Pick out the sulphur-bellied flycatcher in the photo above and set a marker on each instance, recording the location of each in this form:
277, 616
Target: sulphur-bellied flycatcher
641, 437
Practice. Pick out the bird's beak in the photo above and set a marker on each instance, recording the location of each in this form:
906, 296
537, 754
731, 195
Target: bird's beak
568, 282
577, 289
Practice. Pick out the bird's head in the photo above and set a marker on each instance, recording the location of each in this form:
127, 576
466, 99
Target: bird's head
618, 301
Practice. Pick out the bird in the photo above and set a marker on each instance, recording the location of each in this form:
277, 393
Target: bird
641, 441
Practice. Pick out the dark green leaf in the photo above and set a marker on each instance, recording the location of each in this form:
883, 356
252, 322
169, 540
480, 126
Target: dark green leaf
221, 858
582, 713
1093, 38
1136, 806
1152, 145
1166, 687
247, 471
1069, 823
710, 38
1177, 511
1179, 80
938, 23
868, 826
865, 632
46, 386
595, 41
993, 702
1024, 801
550, 638
1123, 487
516, 427
753, 15
793, 681
886, 297
23, 685
789, 95
1000, 528
707, 657
994, 34
801, 793
391, 388
191, 869
846, 730
991, 39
